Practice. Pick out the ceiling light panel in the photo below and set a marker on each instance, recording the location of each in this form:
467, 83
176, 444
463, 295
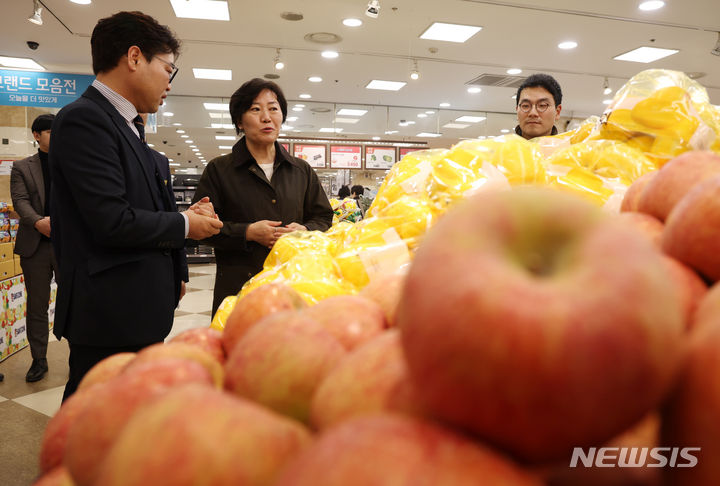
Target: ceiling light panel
20, 62
645, 54
385, 85
346, 120
216, 106
470, 119
220, 74
458, 126
351, 112
450, 32
224, 137
201, 9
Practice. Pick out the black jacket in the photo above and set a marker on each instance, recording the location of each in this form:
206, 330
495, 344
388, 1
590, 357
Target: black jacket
113, 230
241, 195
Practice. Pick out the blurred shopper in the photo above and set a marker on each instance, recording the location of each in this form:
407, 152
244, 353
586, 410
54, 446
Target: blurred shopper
259, 191
538, 103
113, 224
343, 192
356, 192
30, 191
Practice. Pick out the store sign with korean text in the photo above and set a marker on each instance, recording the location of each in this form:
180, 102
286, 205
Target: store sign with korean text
40, 88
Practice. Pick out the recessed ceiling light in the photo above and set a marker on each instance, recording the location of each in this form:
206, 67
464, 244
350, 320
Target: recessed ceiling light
193, 146
568, 45
219, 115
162, 153
292, 118
297, 109
82, 2
330, 130
174, 165
299, 105
196, 150
376, 138
651, 5
351, 112
390, 132
225, 147
221, 74
352, 22
179, 131
474, 89
458, 126
607, 101
177, 124
201, 9
346, 120
150, 145
514, 96
429, 135
450, 32
504, 130
514, 71
315, 79
216, 106
189, 141
385, 85
224, 137
422, 115
304, 96
20, 62
287, 127
646, 54
168, 113
184, 136
430, 112
444, 105
329, 54
470, 119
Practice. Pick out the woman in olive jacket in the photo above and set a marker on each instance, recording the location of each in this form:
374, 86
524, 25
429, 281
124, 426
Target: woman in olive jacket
259, 191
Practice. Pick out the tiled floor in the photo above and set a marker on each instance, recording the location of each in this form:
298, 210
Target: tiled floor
25, 408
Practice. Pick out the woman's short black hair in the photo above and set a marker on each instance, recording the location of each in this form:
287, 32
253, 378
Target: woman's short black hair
358, 189
543, 81
243, 98
344, 192
113, 36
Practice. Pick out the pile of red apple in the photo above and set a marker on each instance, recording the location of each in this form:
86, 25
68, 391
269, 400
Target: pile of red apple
530, 323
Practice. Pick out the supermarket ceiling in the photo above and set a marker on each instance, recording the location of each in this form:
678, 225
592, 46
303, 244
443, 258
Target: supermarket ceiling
515, 34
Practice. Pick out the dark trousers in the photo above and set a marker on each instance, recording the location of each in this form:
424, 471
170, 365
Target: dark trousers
38, 270
229, 279
83, 357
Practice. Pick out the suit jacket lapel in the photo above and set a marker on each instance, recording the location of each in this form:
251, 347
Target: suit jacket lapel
37, 175
142, 155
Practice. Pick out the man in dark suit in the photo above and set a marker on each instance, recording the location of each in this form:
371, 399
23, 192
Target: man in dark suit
113, 225
30, 191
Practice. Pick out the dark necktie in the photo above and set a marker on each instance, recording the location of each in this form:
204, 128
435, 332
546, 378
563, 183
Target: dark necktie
138, 122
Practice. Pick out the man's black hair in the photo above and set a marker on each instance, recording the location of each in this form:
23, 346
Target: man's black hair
243, 98
543, 81
113, 36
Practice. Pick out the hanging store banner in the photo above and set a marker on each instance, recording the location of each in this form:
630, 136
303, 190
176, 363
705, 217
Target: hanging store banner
40, 88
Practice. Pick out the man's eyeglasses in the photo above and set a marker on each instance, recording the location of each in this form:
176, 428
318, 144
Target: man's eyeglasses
541, 106
175, 69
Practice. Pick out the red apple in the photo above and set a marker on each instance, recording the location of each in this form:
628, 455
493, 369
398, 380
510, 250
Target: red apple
692, 230
90, 438
385, 290
181, 350
540, 323
281, 361
57, 477
675, 179
389, 450
207, 339
708, 307
372, 378
690, 287
54, 441
201, 436
692, 415
632, 196
263, 301
106, 369
352, 319
648, 225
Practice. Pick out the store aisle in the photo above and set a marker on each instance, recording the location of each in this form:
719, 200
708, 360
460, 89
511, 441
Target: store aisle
25, 408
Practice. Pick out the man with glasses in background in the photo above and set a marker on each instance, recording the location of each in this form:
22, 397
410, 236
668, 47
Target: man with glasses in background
116, 234
538, 105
